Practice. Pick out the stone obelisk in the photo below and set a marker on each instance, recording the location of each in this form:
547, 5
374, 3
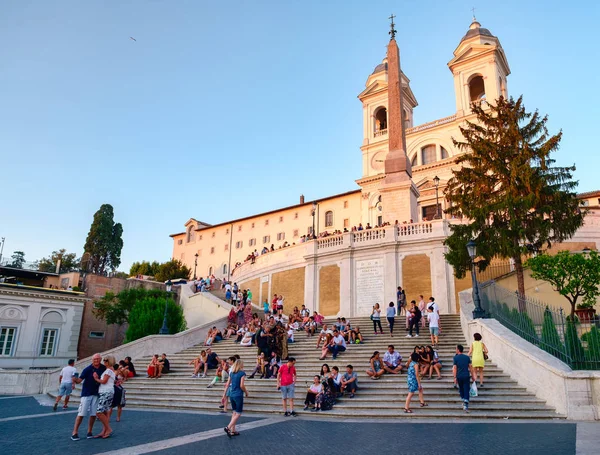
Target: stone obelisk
399, 193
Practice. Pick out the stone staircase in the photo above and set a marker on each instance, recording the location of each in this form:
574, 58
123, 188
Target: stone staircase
501, 398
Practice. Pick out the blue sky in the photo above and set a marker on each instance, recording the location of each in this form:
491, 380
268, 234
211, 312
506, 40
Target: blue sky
222, 110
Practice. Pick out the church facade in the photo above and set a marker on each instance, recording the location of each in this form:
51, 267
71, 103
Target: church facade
405, 169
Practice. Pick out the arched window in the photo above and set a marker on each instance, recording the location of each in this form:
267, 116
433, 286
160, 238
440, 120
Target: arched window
380, 121
477, 89
428, 154
328, 218
210, 271
224, 269
444, 153
190, 234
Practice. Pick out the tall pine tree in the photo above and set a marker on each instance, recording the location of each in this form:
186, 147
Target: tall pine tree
508, 189
104, 241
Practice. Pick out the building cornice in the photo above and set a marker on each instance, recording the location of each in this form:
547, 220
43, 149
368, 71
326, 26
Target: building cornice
41, 293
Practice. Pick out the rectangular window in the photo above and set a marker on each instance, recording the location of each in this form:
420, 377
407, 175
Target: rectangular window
281, 236
239, 244
179, 242
227, 231
212, 250
345, 204
200, 237
346, 222
296, 233
266, 239
48, 342
226, 247
429, 212
281, 219
8, 337
252, 242
240, 228
296, 215
96, 334
266, 222
252, 225
213, 234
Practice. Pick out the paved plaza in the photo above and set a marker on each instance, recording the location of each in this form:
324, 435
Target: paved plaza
28, 425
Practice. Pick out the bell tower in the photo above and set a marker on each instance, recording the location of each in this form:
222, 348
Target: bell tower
480, 69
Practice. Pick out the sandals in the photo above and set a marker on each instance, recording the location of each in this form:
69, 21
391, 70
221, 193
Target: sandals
423, 405
227, 432
407, 411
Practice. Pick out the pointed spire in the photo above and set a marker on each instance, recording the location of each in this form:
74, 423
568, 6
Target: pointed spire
397, 166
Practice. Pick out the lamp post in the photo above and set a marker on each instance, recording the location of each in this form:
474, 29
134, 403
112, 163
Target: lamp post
2, 249
164, 330
478, 312
314, 211
436, 182
195, 265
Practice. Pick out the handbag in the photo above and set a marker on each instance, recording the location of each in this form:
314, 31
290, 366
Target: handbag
473, 390
485, 356
371, 317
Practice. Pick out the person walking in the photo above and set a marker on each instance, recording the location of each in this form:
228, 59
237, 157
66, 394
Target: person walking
414, 320
413, 380
65, 384
89, 396
391, 314
401, 300
237, 389
462, 371
434, 325
478, 353
286, 381
376, 318
423, 309
106, 393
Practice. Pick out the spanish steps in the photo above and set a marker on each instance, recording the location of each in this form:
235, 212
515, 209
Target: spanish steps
501, 397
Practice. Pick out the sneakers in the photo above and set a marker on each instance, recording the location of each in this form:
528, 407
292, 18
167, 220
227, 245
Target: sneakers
75, 437
315, 409
55, 407
305, 408
351, 395
90, 435
194, 375
203, 376
417, 335
409, 336
287, 414
293, 414
466, 407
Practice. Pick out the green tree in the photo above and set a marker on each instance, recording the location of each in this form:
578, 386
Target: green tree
18, 260
507, 188
171, 270
144, 268
551, 341
574, 347
68, 262
104, 241
593, 344
146, 318
115, 308
573, 275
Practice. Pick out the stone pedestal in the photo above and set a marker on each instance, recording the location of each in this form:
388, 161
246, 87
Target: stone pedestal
399, 201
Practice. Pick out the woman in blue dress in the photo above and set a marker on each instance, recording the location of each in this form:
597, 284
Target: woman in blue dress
413, 380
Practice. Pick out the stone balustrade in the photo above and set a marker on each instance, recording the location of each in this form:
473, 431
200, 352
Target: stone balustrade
381, 133
330, 242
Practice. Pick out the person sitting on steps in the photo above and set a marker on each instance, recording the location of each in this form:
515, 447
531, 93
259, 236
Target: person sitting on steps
392, 361
376, 370
349, 381
312, 393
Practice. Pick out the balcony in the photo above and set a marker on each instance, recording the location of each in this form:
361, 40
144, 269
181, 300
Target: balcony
379, 133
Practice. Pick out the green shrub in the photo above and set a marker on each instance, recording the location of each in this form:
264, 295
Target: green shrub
574, 347
551, 341
524, 324
592, 338
146, 317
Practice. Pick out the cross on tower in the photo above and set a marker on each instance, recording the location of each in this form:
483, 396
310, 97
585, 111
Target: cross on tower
392, 31
473, 10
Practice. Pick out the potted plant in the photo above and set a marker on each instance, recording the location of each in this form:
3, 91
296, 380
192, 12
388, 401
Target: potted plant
585, 311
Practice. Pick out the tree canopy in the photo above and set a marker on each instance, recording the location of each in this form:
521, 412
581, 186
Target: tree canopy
573, 275
507, 188
104, 241
171, 270
18, 260
144, 268
68, 262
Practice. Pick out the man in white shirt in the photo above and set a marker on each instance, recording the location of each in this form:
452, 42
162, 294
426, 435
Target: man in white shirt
392, 361
304, 312
339, 344
434, 324
432, 304
66, 385
227, 286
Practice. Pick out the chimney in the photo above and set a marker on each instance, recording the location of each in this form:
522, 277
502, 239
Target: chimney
302, 199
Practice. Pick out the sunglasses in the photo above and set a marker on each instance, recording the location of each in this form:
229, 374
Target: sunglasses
105, 360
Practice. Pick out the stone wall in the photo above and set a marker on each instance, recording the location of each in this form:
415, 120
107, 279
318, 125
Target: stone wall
265, 294
416, 277
254, 286
289, 283
329, 290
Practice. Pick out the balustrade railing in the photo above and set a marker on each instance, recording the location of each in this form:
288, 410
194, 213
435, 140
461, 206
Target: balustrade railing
381, 133
368, 235
329, 242
405, 230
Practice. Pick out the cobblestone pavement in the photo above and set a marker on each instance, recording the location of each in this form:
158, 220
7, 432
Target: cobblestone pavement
28, 427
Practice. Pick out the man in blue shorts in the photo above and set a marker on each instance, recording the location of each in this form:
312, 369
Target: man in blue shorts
89, 395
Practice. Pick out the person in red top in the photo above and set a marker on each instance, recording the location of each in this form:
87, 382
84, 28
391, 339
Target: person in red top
274, 303
286, 380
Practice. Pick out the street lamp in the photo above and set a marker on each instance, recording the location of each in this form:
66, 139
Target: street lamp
478, 312
164, 330
195, 265
314, 211
436, 182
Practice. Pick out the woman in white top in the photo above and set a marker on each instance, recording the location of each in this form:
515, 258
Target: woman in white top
247, 340
106, 392
376, 318
313, 392
280, 305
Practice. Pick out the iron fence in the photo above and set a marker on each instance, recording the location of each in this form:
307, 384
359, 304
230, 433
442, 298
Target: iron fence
575, 341
494, 271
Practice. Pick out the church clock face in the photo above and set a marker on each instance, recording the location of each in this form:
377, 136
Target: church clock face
377, 163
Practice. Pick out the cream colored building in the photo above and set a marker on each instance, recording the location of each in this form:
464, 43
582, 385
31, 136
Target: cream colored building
324, 274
